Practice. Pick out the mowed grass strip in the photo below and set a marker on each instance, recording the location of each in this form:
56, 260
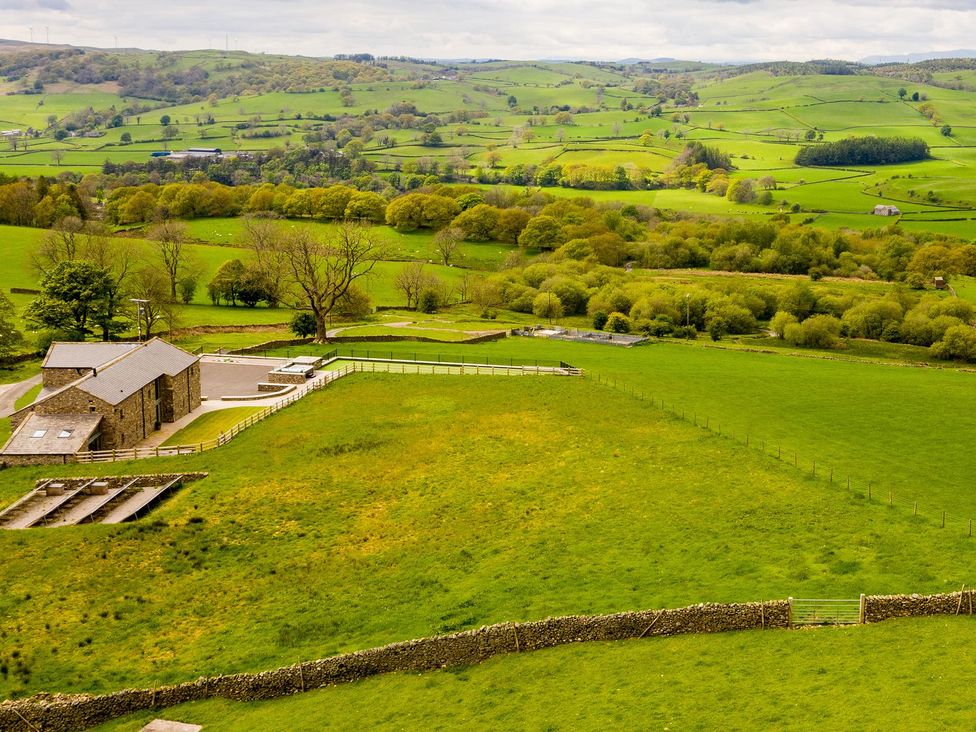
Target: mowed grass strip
894, 674
210, 425
390, 507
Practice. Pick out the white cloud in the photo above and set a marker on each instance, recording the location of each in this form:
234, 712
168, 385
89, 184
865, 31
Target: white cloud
612, 29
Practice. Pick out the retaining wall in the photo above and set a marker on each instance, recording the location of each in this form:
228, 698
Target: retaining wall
58, 712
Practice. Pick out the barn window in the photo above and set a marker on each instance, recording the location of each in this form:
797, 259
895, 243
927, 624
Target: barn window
64, 434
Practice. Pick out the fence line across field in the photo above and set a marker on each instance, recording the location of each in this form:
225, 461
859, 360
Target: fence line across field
859, 488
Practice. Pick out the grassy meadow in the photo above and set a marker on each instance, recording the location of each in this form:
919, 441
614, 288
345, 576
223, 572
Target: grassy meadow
404, 506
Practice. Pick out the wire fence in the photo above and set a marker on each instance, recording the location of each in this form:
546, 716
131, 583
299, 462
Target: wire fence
858, 488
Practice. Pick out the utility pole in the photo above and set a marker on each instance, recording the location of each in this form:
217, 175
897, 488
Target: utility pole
140, 304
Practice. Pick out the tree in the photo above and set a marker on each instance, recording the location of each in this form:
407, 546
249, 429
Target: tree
946, 131
410, 281
227, 282
73, 298
164, 120
542, 232
741, 191
420, 211
151, 286
902, 93
169, 239
303, 324
780, 322
171, 132
477, 223
57, 156
10, 337
320, 271
617, 323
547, 305
187, 288
126, 138
262, 236
447, 242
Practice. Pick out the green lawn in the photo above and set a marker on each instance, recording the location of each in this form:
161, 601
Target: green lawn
28, 397
211, 425
735, 681
405, 506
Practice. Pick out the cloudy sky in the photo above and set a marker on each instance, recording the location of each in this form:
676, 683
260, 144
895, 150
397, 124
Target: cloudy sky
713, 30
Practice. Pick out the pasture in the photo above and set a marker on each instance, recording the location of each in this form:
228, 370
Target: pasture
406, 506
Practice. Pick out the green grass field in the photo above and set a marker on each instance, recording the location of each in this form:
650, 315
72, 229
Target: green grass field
211, 425
871, 421
734, 681
411, 505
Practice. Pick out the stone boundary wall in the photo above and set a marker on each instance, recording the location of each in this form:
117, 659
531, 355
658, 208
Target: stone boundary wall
887, 607
64, 713
392, 338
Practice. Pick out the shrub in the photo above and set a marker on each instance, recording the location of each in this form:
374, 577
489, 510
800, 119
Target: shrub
617, 323
303, 325
958, 343
600, 320
780, 322
819, 331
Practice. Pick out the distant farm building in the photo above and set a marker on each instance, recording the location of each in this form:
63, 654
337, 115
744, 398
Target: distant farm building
885, 210
102, 396
940, 283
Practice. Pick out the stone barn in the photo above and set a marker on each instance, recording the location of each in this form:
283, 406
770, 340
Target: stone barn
103, 396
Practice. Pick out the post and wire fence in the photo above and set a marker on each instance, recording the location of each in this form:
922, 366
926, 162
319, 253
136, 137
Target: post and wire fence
858, 488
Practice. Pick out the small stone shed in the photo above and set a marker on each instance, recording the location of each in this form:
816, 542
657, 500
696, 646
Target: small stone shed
885, 210
124, 391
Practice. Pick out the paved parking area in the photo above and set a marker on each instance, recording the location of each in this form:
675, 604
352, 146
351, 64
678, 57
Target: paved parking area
231, 379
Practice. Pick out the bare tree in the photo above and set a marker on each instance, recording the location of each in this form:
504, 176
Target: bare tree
411, 280
447, 242
158, 309
170, 242
263, 237
321, 271
60, 244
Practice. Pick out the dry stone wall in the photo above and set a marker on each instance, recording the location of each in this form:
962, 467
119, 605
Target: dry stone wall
57, 713
887, 607
61, 713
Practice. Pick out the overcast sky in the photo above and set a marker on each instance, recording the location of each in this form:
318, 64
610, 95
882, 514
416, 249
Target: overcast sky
712, 30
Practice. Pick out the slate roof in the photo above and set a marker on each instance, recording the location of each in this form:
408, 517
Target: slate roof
126, 375
75, 428
84, 355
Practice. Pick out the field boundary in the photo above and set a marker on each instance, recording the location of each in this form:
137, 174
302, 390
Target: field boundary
860, 489
66, 712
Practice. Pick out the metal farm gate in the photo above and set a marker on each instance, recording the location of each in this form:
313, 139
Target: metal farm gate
826, 612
